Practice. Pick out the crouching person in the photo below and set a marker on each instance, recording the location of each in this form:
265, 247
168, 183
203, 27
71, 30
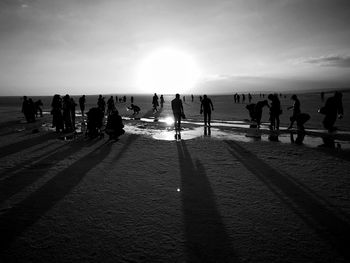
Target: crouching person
114, 127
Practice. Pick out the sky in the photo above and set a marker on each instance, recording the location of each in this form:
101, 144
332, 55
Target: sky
93, 47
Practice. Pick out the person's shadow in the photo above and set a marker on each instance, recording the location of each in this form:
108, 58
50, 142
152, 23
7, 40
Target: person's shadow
206, 237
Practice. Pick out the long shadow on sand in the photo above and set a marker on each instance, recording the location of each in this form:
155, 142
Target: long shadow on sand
19, 180
26, 213
206, 236
23, 144
323, 220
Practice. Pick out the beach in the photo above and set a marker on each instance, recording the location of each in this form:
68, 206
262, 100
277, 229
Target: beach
214, 196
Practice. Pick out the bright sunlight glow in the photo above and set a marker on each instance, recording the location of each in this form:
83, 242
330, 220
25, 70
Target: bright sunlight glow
167, 71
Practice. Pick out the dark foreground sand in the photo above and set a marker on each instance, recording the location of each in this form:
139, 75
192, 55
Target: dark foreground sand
145, 200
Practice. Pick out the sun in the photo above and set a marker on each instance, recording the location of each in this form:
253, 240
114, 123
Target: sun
167, 71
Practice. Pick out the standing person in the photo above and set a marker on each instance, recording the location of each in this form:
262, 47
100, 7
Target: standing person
161, 101
82, 105
132, 99
72, 111
101, 104
178, 111
206, 108
332, 110
275, 111
57, 118
26, 108
296, 110
155, 102
67, 117
116, 99
192, 98
110, 105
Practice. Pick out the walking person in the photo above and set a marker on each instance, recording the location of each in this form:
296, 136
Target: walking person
206, 108
155, 102
161, 101
178, 111
332, 110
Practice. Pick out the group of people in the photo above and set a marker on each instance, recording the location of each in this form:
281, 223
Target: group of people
63, 113
31, 109
332, 110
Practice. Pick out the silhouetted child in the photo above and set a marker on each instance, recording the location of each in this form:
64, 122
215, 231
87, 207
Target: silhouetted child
38, 110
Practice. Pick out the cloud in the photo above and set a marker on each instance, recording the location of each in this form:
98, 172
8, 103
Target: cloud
340, 61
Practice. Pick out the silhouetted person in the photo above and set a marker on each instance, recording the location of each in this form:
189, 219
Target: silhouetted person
243, 98
322, 96
72, 111
255, 111
67, 114
110, 105
250, 98
114, 127
238, 98
116, 99
38, 110
296, 110
101, 104
332, 109
155, 102
94, 122
134, 108
206, 108
124, 98
82, 104
178, 111
184, 98
275, 111
132, 99
31, 110
26, 108
57, 118
301, 119
200, 98
161, 101
192, 98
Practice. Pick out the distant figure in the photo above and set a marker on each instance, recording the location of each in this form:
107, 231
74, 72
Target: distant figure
155, 102
322, 96
161, 101
134, 108
255, 111
57, 118
296, 110
184, 98
243, 98
114, 127
116, 99
238, 98
178, 111
82, 105
332, 109
110, 105
132, 99
275, 111
250, 97
192, 98
38, 110
200, 98
124, 98
206, 108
